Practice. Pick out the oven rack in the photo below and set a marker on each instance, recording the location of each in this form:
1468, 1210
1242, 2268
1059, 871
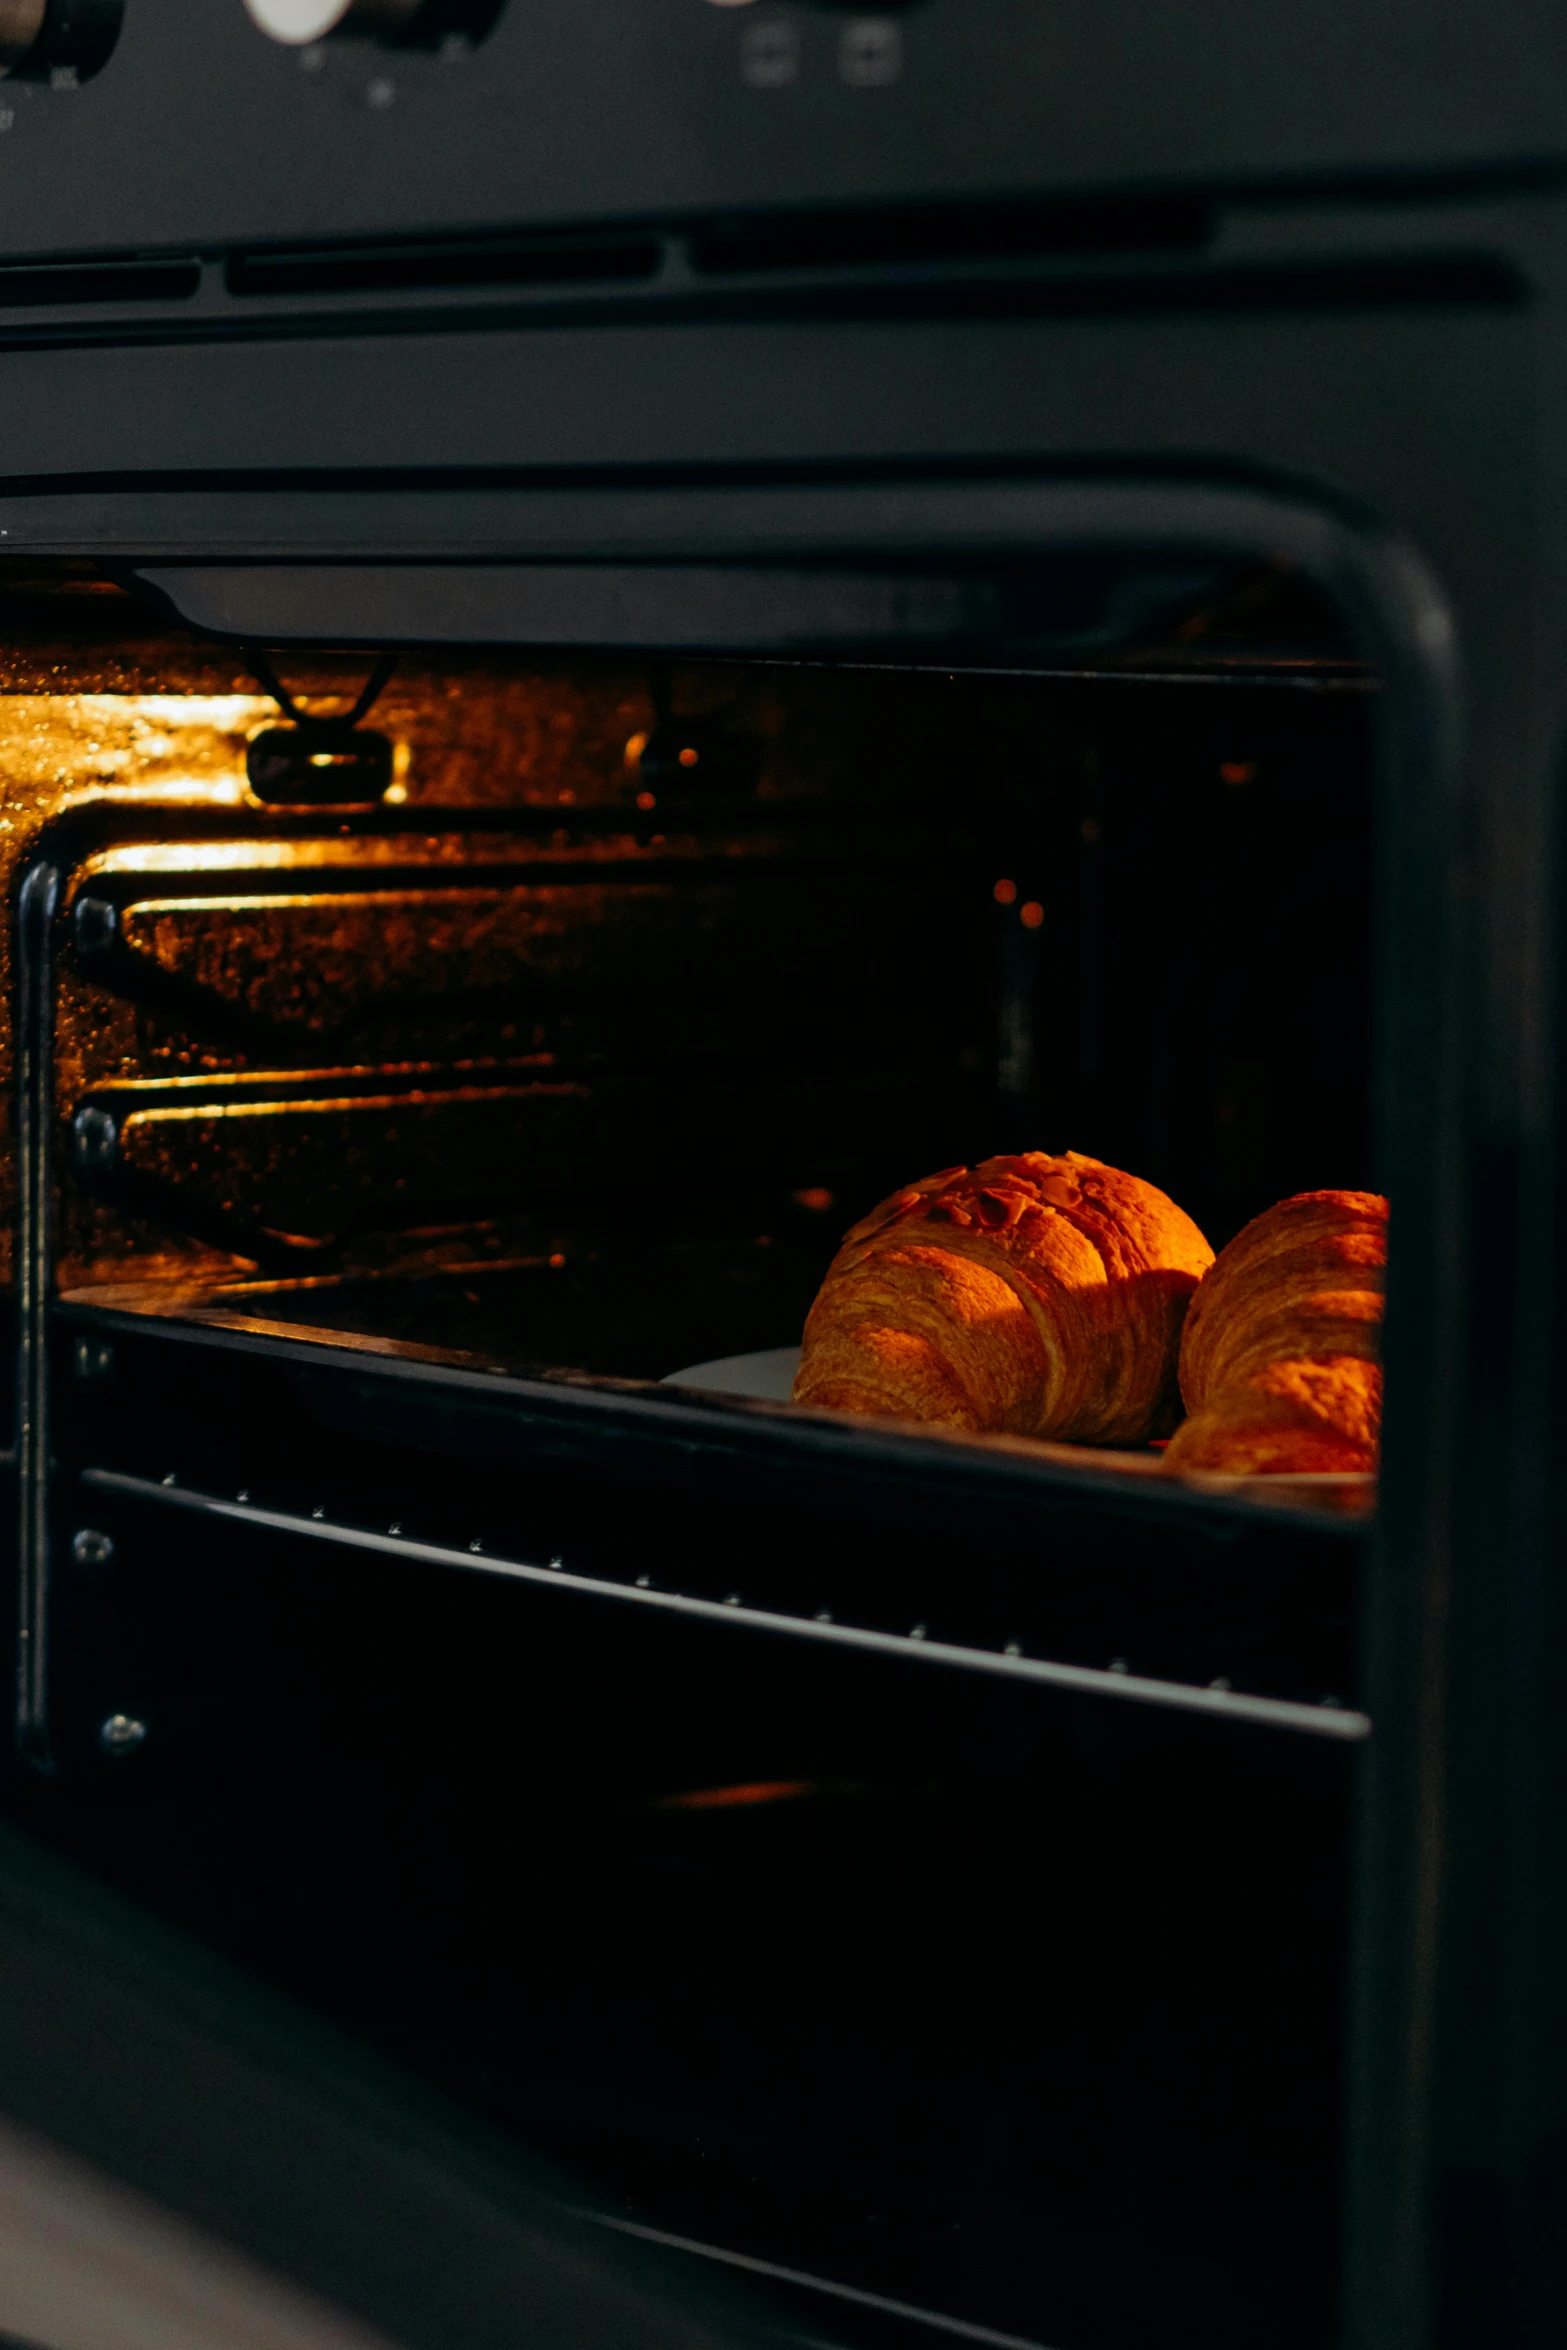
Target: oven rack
1329, 1718
245, 1452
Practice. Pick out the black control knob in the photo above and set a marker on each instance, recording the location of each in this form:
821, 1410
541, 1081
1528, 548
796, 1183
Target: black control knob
397, 24
60, 41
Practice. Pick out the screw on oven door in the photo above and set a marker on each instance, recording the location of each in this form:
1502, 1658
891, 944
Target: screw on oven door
95, 925
122, 1734
95, 1140
91, 1547
92, 1359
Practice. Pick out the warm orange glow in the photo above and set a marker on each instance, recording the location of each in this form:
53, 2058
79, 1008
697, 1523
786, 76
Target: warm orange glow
1032, 915
1236, 771
346, 1032
1005, 893
69, 750
738, 1798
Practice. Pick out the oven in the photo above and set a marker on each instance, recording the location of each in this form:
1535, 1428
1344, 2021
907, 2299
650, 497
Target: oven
567, 725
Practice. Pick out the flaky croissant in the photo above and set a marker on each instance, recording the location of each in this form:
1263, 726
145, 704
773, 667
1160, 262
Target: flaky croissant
1281, 1363
1032, 1296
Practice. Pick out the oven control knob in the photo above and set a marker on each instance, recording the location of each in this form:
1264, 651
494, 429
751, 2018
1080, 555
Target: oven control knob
403, 24
59, 41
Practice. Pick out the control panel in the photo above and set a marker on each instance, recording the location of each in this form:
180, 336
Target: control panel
153, 127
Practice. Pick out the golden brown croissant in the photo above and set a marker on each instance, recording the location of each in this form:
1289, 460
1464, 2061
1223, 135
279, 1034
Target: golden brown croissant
1035, 1296
1281, 1356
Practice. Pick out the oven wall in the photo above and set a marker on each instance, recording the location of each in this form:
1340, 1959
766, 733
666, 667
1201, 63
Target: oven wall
308, 1044
317, 1040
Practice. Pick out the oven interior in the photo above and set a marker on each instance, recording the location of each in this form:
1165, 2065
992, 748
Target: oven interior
408, 1109
581, 1045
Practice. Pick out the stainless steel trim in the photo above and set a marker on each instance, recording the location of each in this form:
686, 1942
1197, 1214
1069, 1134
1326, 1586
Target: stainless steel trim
1275, 1713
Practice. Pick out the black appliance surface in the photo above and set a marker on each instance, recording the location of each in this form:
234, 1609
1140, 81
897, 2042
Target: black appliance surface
565, 115
1075, 2004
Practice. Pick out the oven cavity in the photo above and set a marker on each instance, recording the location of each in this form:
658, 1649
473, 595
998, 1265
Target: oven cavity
419, 1195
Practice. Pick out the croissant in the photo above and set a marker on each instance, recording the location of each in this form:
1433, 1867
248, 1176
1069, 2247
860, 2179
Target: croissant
1281, 1355
1032, 1296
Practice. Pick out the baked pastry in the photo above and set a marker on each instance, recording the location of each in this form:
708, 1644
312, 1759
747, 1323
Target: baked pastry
1034, 1296
1281, 1357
